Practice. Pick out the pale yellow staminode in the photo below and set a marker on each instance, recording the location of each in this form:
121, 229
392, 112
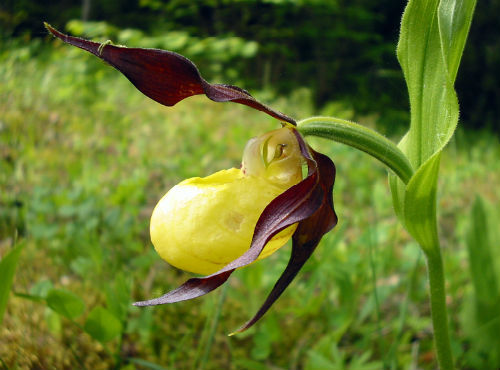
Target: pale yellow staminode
202, 224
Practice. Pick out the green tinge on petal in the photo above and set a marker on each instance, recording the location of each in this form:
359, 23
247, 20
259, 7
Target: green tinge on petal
274, 156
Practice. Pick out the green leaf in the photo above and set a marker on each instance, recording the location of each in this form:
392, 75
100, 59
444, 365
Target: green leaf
434, 107
245, 363
432, 39
398, 188
481, 257
65, 303
146, 364
455, 18
102, 325
118, 296
420, 204
8, 266
53, 321
41, 289
483, 321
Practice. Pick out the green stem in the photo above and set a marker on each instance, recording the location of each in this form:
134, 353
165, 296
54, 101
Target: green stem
438, 308
359, 137
371, 142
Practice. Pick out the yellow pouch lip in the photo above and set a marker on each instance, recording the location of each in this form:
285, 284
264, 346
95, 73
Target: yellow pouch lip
191, 225
221, 177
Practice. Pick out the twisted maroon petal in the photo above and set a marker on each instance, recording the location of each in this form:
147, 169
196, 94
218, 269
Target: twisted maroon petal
165, 76
306, 237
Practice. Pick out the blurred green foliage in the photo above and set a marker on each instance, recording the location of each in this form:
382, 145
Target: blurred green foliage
481, 317
83, 159
341, 50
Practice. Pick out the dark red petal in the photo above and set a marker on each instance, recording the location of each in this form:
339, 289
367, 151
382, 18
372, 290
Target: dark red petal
192, 288
296, 204
165, 76
306, 237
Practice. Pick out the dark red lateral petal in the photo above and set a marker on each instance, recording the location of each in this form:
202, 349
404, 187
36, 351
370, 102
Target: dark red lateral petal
165, 76
193, 288
296, 204
306, 237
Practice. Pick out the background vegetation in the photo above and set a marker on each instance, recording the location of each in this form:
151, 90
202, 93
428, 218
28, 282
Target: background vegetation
84, 157
341, 50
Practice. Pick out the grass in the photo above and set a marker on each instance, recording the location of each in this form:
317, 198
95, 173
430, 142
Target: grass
84, 157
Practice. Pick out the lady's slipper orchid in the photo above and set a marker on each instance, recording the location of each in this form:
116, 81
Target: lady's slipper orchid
219, 212
225, 221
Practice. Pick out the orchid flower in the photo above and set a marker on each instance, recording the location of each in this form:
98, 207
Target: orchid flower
228, 220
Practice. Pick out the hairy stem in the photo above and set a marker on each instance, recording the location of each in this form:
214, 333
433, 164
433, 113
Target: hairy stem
439, 313
359, 137
379, 147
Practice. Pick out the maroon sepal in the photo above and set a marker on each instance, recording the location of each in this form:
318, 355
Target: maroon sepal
309, 203
165, 76
306, 237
